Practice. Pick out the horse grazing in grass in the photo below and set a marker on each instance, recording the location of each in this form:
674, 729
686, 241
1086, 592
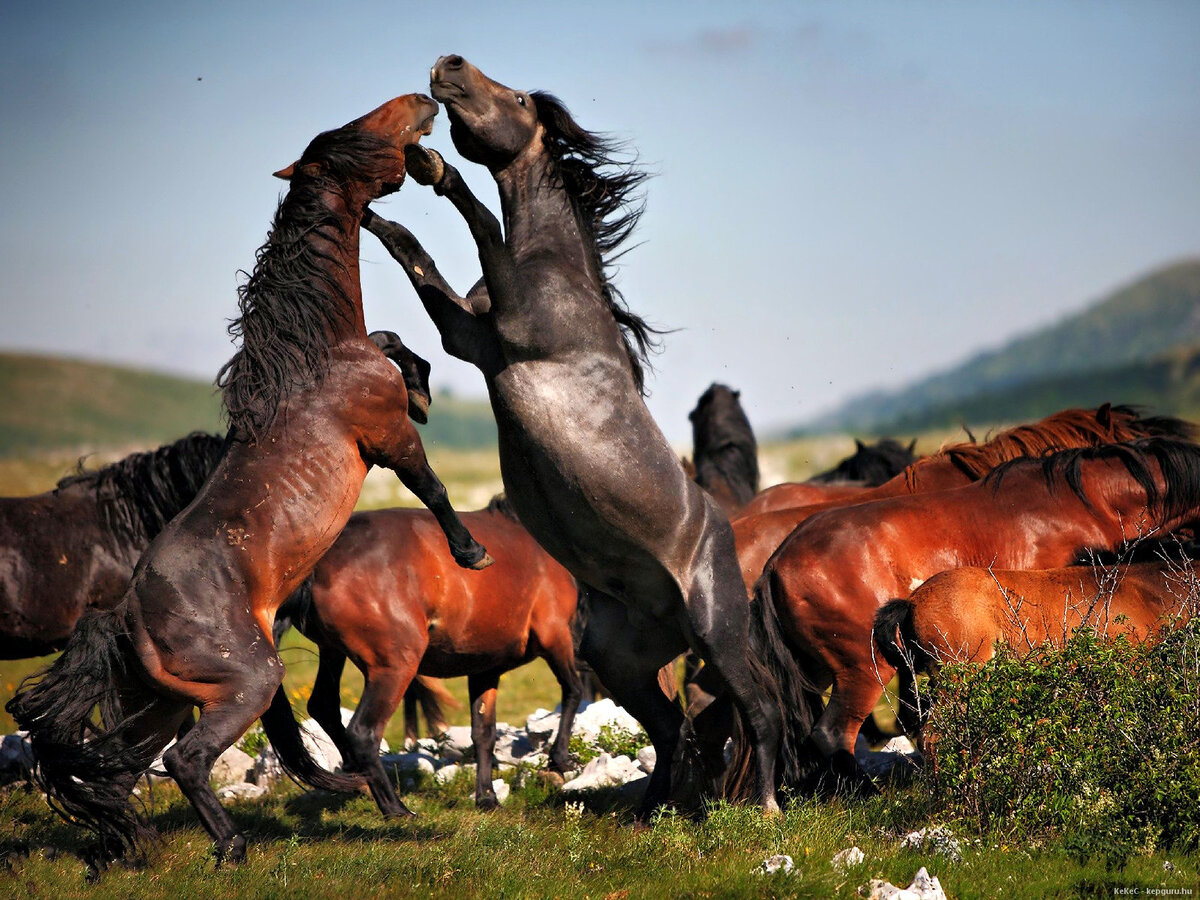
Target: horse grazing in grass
312, 403
962, 614
817, 599
73, 549
758, 535
584, 465
388, 596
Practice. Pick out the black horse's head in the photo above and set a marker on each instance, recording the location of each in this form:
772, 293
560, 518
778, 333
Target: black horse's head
872, 465
490, 123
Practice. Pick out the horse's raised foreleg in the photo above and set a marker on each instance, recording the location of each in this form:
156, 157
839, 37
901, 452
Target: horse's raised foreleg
628, 660
413, 369
406, 457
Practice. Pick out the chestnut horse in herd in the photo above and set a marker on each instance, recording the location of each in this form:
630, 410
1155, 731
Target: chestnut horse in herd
961, 615
388, 596
584, 464
759, 535
816, 602
312, 403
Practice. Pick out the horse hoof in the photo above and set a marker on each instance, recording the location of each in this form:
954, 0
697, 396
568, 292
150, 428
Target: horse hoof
232, 851
482, 563
418, 408
397, 815
487, 804
424, 165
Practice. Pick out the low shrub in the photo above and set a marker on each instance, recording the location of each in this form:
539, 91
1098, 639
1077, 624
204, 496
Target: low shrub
1096, 743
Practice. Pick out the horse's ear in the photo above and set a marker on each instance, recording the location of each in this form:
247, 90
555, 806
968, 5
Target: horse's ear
859, 445
286, 172
1104, 415
737, 395
912, 445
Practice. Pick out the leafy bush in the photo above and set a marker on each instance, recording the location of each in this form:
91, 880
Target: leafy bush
1096, 743
611, 740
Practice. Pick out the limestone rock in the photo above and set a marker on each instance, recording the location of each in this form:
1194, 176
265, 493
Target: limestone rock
924, 887
604, 771
232, 767
780, 862
848, 859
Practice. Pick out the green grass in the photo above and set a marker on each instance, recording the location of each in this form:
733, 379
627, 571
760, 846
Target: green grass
310, 845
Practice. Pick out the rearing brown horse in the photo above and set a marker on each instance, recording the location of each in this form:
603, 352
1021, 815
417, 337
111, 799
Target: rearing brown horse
312, 403
585, 466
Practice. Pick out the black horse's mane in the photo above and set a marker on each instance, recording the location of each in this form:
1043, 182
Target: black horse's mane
291, 305
141, 493
500, 506
723, 443
1177, 460
871, 464
603, 192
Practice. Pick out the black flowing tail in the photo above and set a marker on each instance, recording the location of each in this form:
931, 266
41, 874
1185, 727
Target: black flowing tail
896, 641
801, 700
283, 731
88, 770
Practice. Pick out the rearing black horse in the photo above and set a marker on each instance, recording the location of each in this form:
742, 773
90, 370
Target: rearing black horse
584, 464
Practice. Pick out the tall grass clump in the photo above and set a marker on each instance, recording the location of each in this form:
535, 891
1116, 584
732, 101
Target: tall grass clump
1094, 744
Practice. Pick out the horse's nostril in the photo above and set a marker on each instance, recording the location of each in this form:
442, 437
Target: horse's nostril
454, 61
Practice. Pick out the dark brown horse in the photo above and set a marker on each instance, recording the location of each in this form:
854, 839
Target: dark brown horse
870, 464
73, 549
312, 403
724, 450
962, 614
817, 599
584, 465
758, 535
388, 597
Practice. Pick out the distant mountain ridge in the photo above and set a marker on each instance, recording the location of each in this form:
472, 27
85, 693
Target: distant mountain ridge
1136, 324
50, 403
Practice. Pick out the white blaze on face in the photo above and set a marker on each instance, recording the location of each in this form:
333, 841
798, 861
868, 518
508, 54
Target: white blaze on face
915, 583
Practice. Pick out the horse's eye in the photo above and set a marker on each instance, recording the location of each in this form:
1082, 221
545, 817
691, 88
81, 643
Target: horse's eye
520, 99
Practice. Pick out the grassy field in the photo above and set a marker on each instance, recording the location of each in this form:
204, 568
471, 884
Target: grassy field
537, 845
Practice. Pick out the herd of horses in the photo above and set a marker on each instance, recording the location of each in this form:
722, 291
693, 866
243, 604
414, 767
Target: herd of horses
168, 578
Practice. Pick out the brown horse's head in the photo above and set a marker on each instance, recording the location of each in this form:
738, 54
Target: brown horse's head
490, 123
371, 148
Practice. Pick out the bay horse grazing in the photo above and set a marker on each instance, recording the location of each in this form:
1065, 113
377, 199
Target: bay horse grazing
758, 535
817, 599
724, 450
312, 403
584, 465
962, 614
73, 549
388, 596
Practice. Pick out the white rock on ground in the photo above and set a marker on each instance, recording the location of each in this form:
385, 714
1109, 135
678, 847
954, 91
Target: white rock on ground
410, 762
502, 790
16, 758
267, 769
542, 724
242, 791
604, 771
924, 887
780, 862
848, 859
596, 715
646, 758
232, 767
935, 839
459, 737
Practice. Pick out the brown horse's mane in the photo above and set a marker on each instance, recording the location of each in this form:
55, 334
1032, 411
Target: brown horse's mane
291, 305
1069, 428
140, 494
602, 189
1178, 462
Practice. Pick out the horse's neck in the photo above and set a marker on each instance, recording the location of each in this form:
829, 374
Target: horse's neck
539, 218
1119, 504
338, 257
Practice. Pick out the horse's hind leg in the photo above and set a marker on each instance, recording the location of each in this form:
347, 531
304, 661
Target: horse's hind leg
325, 702
853, 698
482, 688
412, 468
560, 656
719, 619
230, 707
381, 696
628, 659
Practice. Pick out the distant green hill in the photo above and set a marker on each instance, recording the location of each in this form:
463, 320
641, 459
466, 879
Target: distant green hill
49, 403
1136, 324
1168, 384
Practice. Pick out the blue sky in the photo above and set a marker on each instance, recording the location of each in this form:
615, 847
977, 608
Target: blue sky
847, 195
